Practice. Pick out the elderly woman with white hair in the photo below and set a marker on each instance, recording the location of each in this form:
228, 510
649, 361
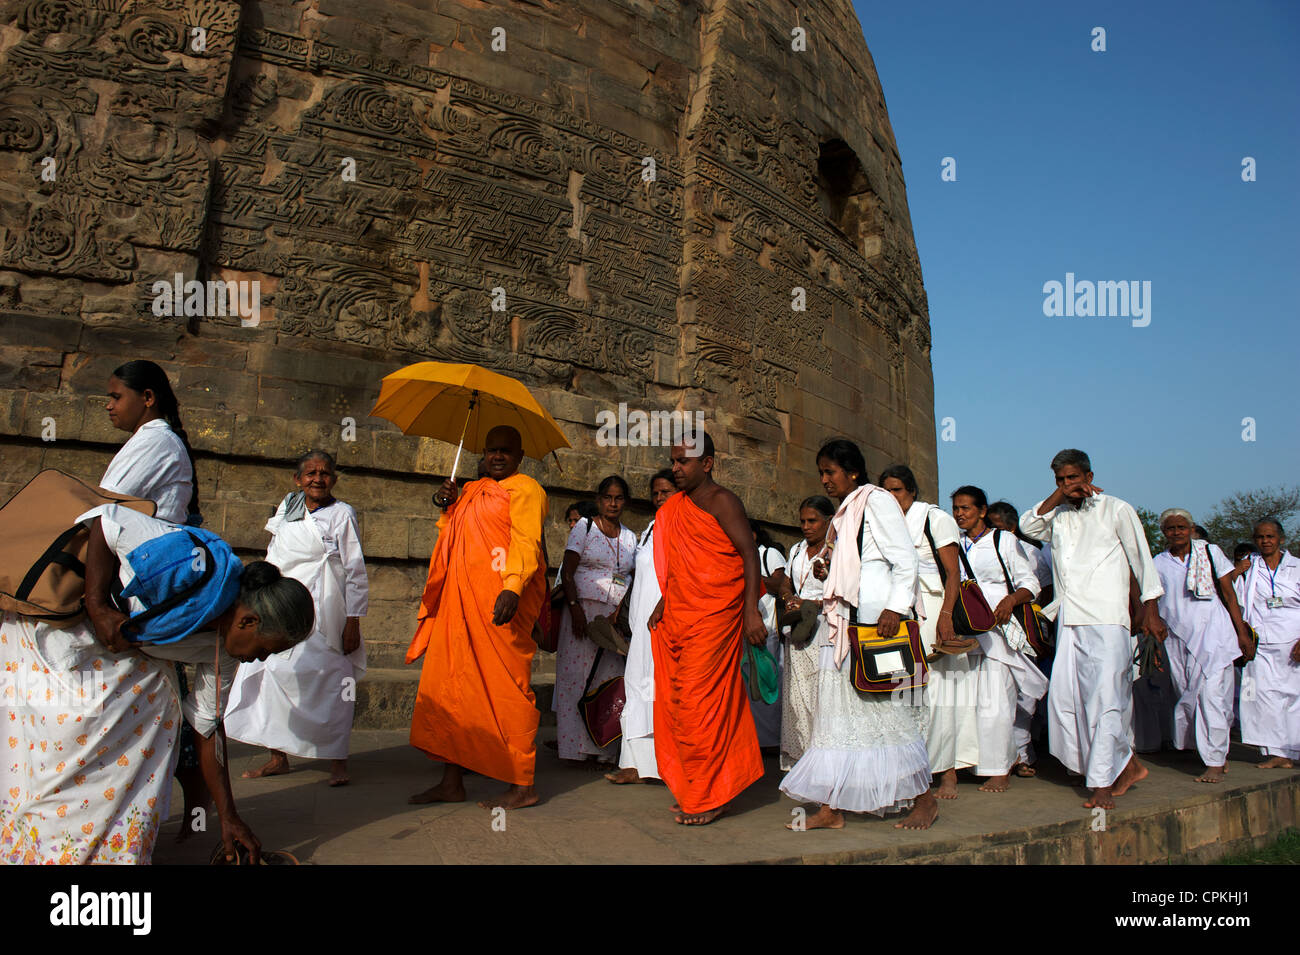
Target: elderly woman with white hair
1205, 635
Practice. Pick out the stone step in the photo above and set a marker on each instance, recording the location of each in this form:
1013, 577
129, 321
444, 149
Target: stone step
386, 697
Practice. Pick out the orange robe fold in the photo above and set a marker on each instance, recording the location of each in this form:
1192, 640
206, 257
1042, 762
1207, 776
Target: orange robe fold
705, 741
475, 705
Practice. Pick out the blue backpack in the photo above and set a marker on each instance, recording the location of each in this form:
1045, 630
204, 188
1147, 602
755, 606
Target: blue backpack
184, 578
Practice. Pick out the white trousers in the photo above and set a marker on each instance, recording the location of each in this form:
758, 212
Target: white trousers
1090, 705
1203, 712
1270, 701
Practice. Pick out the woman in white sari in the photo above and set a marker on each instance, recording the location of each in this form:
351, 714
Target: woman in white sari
301, 703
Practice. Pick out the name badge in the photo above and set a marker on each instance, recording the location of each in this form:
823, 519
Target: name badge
1273, 603
620, 581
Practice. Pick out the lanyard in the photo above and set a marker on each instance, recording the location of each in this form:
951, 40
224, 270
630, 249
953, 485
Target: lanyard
617, 551
1272, 575
974, 540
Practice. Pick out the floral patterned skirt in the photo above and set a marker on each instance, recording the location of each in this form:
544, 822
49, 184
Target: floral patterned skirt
87, 744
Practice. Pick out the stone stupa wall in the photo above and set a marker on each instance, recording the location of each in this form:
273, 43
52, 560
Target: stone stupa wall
213, 139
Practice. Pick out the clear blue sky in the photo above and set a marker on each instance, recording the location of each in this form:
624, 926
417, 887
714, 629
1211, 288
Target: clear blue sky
1119, 165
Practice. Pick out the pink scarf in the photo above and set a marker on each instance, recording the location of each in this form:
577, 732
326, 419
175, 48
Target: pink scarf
840, 591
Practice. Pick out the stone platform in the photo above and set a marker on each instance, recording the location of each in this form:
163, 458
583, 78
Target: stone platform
1169, 817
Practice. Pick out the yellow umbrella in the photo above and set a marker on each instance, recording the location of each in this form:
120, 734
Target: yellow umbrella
439, 400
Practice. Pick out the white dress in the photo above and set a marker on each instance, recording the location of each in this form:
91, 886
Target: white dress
767, 716
1007, 673
951, 738
799, 670
638, 717
1201, 648
301, 702
600, 560
153, 464
1270, 684
867, 752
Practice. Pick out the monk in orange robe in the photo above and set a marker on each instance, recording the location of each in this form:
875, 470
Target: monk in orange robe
707, 564
475, 707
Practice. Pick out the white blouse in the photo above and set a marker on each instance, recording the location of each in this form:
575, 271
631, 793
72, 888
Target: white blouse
153, 464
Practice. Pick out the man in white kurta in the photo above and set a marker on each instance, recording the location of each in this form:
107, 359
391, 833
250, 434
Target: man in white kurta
1096, 541
1202, 643
301, 702
1270, 684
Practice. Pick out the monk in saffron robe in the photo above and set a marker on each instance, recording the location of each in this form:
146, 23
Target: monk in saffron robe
475, 707
707, 564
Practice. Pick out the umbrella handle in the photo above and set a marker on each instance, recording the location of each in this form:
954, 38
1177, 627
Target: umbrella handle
473, 400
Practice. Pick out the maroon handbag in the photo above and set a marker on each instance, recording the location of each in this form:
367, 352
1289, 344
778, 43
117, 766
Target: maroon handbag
971, 614
601, 708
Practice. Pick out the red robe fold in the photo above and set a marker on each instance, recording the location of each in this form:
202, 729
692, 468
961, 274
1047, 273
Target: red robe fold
705, 741
475, 705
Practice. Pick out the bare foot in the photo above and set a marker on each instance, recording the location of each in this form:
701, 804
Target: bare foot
624, 776
702, 818
277, 765
997, 784
1024, 770
339, 772
947, 785
824, 818
924, 812
676, 808
515, 797
1129, 776
443, 792
1101, 798
1212, 774
1277, 762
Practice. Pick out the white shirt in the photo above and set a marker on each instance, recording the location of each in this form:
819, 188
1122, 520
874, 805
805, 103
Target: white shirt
770, 560
153, 464
1275, 625
888, 540
943, 529
983, 560
1093, 548
803, 581
125, 530
1040, 558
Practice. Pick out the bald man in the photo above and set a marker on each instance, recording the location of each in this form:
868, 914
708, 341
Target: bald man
475, 707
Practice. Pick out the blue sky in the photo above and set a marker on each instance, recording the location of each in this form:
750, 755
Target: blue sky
1115, 165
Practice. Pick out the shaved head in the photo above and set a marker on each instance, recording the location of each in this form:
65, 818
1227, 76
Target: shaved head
503, 450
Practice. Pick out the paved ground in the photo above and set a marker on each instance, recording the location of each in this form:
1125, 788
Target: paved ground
584, 819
